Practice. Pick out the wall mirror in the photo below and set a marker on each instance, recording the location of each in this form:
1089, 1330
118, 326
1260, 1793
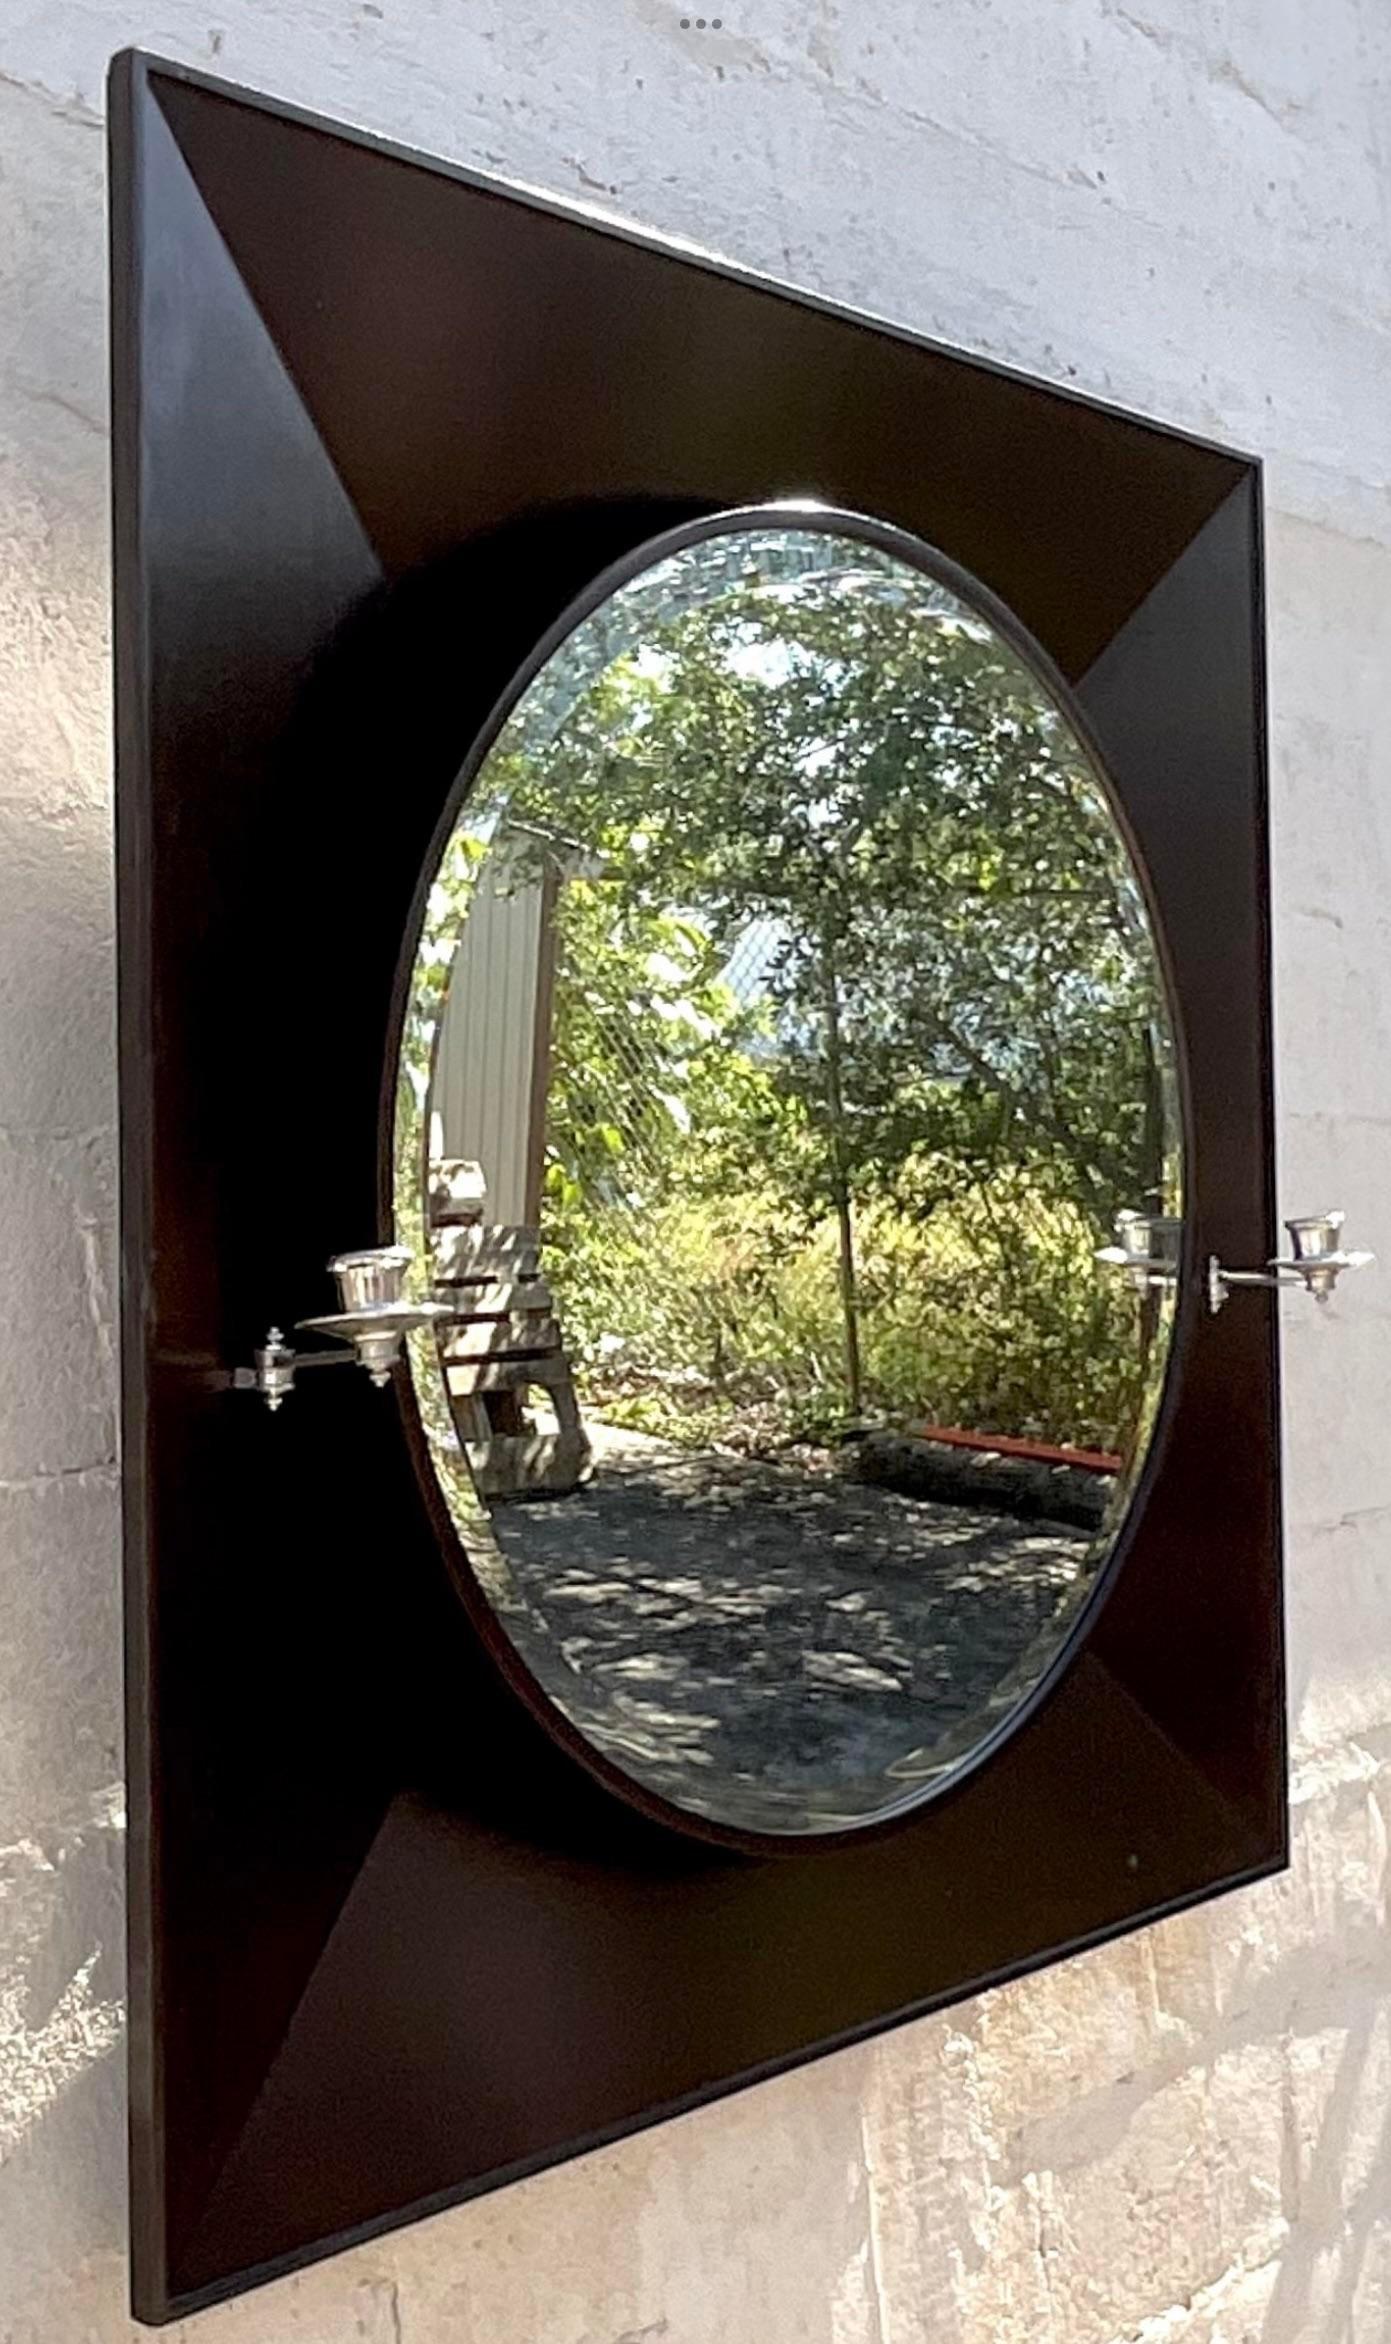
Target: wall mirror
800, 1586
786, 1032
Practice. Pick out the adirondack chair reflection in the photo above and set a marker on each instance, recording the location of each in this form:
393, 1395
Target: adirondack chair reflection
502, 1344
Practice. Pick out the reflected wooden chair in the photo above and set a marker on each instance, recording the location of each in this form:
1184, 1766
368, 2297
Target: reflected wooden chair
504, 1342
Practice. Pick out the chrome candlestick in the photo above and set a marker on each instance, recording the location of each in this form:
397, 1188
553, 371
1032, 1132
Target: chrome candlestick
374, 1317
1316, 1261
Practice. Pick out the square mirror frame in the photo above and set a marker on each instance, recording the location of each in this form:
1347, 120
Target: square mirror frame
375, 420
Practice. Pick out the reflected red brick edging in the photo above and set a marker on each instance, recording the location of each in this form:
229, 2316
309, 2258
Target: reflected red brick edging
1003, 1444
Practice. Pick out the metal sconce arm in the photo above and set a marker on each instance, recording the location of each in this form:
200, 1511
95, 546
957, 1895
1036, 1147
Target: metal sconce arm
1316, 1261
1147, 1252
374, 1319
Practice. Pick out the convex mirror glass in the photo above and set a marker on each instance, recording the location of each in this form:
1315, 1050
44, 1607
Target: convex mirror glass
785, 1034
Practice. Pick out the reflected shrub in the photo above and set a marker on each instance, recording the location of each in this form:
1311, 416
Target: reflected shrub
714, 1319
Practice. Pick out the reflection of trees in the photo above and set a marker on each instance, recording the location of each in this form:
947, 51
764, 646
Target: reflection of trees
953, 1062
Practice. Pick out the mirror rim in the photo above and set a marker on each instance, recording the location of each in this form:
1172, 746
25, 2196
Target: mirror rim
800, 514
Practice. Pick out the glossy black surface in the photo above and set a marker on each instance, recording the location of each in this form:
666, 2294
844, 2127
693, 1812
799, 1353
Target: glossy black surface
375, 424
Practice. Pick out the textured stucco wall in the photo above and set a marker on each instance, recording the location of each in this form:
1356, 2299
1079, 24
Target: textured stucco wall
1184, 205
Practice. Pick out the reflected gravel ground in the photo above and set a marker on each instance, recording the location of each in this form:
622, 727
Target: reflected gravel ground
781, 1648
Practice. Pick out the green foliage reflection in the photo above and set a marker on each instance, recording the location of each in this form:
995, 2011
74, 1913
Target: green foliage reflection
858, 1041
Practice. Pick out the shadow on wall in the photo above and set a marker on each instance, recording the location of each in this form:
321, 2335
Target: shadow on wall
1344, 2189
1187, 2132
62, 2081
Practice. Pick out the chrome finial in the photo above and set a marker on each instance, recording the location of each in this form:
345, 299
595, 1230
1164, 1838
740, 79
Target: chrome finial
275, 1369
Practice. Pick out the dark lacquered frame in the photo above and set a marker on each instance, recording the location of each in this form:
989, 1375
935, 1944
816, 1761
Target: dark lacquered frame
377, 422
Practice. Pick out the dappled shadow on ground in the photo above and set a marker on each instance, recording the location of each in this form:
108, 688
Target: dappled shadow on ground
778, 1647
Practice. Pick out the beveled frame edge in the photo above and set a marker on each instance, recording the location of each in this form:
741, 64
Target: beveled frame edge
1264, 900
144, 65
1250, 489
182, 2304
145, 2116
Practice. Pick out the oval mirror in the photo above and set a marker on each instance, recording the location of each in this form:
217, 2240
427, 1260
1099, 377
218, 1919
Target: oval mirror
785, 1036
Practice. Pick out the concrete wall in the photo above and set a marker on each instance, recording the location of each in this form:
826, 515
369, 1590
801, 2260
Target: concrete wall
1184, 205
